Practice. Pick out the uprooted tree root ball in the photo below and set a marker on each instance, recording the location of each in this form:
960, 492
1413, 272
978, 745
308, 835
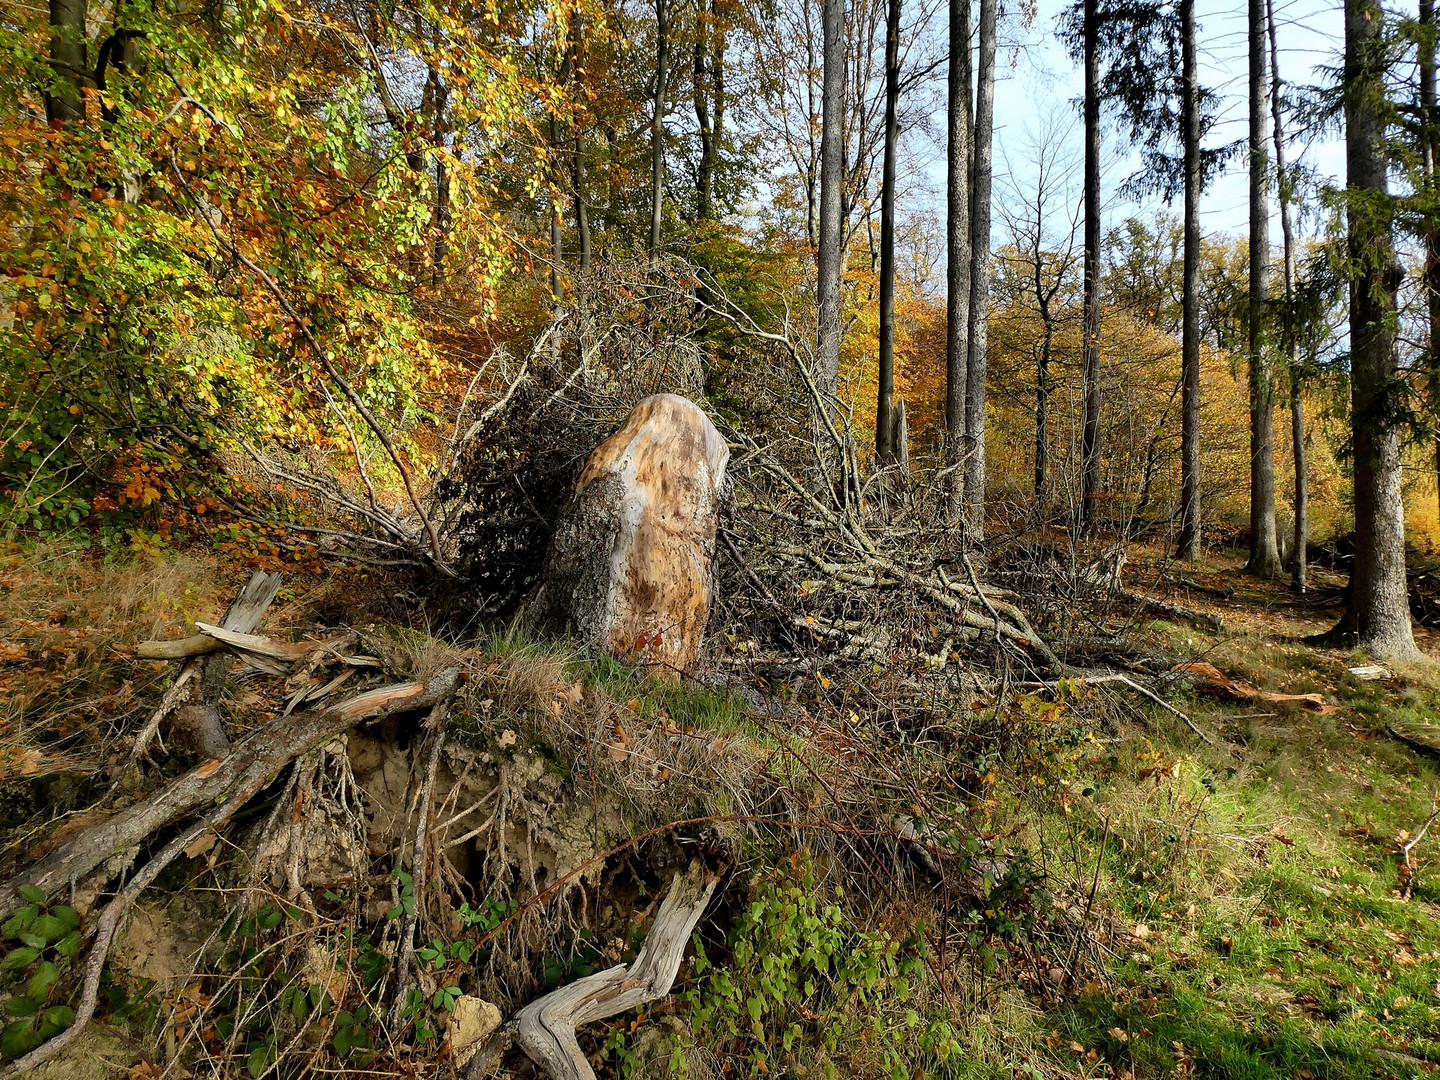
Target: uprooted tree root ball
415, 840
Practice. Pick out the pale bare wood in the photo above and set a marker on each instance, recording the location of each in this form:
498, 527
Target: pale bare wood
545, 1029
200, 717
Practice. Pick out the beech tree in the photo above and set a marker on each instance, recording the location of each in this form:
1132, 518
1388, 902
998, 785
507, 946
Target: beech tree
957, 246
1264, 550
885, 401
832, 170
981, 184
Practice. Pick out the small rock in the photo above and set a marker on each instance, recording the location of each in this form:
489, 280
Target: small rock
473, 1019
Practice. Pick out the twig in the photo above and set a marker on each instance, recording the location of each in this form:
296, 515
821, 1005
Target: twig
1409, 846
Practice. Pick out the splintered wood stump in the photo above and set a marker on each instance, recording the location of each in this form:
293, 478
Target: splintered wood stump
628, 571
545, 1029
200, 717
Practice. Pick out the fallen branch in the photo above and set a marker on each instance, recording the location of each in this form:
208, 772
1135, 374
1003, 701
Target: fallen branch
545, 1029
1408, 847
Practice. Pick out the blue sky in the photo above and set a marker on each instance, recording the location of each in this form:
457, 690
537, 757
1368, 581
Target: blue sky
1040, 80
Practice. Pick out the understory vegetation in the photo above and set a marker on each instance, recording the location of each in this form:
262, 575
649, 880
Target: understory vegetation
1063, 882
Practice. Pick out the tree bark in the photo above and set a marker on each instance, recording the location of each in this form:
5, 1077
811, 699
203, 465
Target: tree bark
832, 176
657, 126
557, 233
981, 166
1429, 150
957, 243
1264, 547
885, 399
1188, 548
1090, 346
1378, 616
1289, 338
67, 57
707, 81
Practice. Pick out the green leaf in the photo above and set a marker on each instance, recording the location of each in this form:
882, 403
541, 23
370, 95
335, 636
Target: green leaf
259, 1060
62, 1016
50, 928
67, 915
16, 959
20, 921
69, 945
32, 893
19, 1038
21, 1006
32, 939
45, 977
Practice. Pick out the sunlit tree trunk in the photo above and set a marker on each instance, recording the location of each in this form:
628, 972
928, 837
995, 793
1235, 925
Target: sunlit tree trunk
1284, 189
981, 167
1429, 138
1378, 617
1090, 346
885, 399
832, 174
657, 126
1189, 545
957, 246
1264, 548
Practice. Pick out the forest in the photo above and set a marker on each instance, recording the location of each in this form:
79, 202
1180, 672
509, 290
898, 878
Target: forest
717, 539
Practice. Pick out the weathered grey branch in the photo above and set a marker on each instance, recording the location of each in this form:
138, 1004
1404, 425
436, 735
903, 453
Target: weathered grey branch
545, 1029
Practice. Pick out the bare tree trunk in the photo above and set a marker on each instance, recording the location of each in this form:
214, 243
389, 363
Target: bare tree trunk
557, 233
981, 166
1264, 548
957, 241
1378, 617
1284, 189
1042, 407
885, 398
1090, 348
1429, 138
657, 126
1189, 545
582, 209
705, 171
832, 177
67, 57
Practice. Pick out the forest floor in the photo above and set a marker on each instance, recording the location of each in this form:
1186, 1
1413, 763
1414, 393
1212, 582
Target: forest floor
1267, 928
1246, 905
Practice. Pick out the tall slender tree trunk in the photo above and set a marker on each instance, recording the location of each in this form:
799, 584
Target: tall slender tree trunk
957, 255
1289, 339
67, 57
557, 224
1429, 150
657, 126
705, 169
981, 173
1189, 545
885, 398
832, 177
1042, 395
1264, 547
1090, 346
1378, 617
